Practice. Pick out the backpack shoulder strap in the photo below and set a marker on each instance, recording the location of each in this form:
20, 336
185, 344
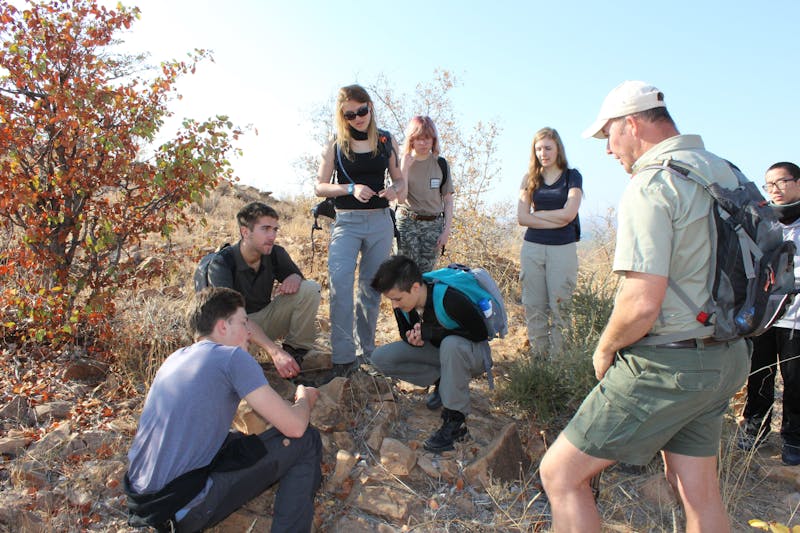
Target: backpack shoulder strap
446, 320
445, 172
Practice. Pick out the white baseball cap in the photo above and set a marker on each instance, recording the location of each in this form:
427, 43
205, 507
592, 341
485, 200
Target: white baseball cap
625, 99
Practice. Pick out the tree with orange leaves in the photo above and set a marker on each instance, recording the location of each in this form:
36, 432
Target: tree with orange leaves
75, 190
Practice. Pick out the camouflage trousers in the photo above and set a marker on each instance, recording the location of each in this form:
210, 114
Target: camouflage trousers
418, 240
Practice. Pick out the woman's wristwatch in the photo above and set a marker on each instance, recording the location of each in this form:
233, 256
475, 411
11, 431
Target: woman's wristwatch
351, 188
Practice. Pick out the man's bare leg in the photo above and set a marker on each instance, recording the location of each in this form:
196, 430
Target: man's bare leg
565, 473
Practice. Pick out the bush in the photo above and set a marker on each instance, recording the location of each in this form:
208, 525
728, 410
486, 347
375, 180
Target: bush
553, 387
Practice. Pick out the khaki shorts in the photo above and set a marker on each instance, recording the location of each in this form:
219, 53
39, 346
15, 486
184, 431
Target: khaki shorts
655, 399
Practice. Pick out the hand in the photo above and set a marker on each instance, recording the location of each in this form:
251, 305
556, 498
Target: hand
390, 193
285, 364
290, 285
414, 335
441, 242
602, 361
363, 193
311, 395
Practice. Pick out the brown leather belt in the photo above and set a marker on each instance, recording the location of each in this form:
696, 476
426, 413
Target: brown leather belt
414, 216
691, 343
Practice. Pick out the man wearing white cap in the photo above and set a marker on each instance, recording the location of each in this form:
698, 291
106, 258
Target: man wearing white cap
655, 394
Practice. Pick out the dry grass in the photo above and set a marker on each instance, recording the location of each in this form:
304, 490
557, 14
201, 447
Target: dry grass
149, 327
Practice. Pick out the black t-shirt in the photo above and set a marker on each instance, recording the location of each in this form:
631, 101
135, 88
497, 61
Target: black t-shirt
365, 169
255, 286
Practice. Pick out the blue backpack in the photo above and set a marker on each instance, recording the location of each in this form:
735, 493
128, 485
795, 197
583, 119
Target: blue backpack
479, 287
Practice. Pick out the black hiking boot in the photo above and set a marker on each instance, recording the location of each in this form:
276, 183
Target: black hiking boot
434, 400
453, 429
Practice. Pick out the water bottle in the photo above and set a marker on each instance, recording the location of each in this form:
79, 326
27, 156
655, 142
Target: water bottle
744, 320
486, 307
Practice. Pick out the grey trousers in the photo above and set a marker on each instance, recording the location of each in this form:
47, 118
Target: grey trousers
369, 233
548, 276
455, 362
293, 462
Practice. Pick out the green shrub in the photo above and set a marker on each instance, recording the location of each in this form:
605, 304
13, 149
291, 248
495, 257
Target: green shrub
553, 387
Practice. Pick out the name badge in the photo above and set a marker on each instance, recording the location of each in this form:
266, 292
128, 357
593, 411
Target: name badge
435, 183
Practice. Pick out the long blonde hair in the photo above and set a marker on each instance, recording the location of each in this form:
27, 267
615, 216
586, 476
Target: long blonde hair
534, 179
356, 93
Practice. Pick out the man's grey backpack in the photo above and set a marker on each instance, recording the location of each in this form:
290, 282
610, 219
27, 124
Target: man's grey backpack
752, 274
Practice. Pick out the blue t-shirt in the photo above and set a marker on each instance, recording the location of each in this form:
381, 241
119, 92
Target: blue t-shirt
552, 197
188, 411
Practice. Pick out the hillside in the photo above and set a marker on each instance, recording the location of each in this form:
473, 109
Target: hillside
66, 422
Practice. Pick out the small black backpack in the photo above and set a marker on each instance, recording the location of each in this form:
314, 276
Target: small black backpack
201, 272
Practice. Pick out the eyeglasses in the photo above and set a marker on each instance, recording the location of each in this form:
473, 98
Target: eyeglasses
360, 112
777, 184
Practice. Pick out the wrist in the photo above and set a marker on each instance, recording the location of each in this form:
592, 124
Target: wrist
351, 188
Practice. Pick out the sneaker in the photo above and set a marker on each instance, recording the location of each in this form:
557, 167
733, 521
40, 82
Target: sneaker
434, 400
453, 429
790, 455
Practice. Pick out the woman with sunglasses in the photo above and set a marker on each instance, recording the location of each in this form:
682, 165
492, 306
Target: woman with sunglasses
424, 220
779, 347
362, 155
549, 198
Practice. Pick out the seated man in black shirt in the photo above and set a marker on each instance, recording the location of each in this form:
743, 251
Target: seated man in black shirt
430, 353
252, 266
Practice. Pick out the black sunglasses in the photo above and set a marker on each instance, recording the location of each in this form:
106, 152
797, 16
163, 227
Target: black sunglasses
360, 112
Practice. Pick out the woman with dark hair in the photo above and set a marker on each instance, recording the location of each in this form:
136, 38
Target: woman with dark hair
362, 156
549, 198
779, 346
425, 219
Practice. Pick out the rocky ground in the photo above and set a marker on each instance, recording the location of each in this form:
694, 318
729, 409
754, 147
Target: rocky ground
66, 422
64, 457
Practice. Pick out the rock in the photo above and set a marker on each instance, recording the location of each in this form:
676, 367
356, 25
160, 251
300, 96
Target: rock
248, 421
398, 458
85, 370
14, 445
52, 440
792, 500
89, 442
329, 412
361, 524
788, 474
345, 461
243, 520
344, 441
52, 410
34, 474
336, 389
503, 459
126, 425
657, 491
377, 434
438, 467
384, 501
405, 386
316, 360
17, 409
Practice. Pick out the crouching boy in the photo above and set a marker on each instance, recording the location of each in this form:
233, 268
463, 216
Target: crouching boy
187, 471
429, 353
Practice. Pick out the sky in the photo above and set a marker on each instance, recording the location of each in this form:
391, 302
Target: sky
728, 70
